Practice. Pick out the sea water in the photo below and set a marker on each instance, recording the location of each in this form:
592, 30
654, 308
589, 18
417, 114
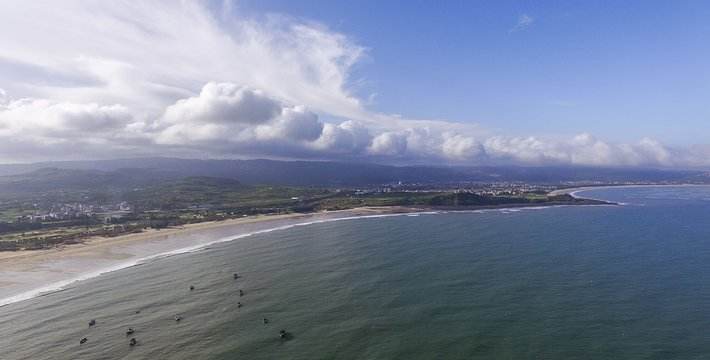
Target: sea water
582, 282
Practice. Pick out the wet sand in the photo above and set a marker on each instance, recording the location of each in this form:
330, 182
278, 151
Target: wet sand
28, 273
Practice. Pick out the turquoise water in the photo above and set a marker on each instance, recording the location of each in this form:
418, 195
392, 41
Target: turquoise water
609, 282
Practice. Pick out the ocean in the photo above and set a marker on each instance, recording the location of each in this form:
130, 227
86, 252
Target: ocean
571, 282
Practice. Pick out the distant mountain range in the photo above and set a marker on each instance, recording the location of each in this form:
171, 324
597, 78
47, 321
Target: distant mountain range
142, 171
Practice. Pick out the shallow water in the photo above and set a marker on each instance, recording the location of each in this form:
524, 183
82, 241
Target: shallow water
56, 272
627, 282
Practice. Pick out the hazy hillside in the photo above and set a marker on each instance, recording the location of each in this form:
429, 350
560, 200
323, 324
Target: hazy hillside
55, 179
311, 173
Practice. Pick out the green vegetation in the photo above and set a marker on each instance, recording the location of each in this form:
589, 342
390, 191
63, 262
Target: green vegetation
445, 199
220, 194
35, 215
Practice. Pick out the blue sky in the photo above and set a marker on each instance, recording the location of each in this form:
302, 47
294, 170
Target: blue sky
620, 70
400, 82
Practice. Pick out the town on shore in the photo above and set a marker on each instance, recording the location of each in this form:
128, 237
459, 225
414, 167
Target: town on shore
41, 221
45, 205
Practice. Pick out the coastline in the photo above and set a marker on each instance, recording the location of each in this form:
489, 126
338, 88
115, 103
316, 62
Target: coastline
30, 273
26, 274
572, 191
100, 241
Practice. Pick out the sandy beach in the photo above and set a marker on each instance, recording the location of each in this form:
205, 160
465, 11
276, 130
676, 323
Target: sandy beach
95, 245
26, 274
29, 273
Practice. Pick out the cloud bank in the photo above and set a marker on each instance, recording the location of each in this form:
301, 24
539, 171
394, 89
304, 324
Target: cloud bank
95, 79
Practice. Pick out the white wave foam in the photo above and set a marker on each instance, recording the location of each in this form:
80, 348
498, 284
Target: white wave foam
63, 284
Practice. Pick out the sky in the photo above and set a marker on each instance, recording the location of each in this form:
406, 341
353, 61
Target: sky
591, 83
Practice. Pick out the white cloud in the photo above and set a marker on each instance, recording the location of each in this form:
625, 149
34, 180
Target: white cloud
348, 137
229, 116
389, 144
583, 149
294, 124
460, 147
44, 118
228, 119
224, 103
145, 55
94, 79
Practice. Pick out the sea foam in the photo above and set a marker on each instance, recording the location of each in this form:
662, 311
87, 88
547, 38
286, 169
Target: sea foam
64, 284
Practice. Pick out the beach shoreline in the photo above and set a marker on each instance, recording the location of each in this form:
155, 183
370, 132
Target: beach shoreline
99, 241
26, 274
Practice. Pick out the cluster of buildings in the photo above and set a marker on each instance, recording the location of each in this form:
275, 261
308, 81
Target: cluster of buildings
377, 190
70, 211
487, 189
508, 189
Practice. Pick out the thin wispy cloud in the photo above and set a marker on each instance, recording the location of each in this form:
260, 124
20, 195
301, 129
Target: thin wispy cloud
524, 22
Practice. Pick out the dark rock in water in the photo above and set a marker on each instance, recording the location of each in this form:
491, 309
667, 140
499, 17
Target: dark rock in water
178, 317
130, 331
83, 340
192, 288
92, 322
236, 276
133, 342
285, 335
266, 321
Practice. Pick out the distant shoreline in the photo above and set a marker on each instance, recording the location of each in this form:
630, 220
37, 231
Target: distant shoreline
574, 190
199, 226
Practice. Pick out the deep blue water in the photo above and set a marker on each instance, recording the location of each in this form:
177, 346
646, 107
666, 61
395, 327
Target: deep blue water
602, 282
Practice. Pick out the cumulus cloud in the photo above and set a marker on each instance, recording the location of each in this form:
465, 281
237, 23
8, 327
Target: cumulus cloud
112, 79
583, 149
295, 124
461, 147
227, 119
389, 143
348, 137
43, 118
40, 129
236, 117
224, 103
